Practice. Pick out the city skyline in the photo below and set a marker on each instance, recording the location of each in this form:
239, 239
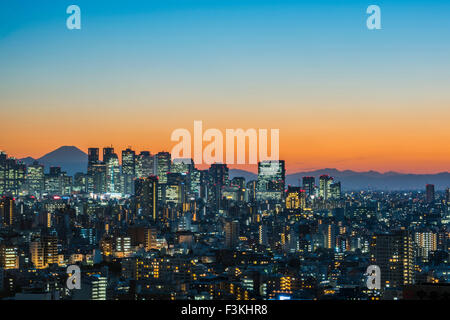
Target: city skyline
252, 168
342, 96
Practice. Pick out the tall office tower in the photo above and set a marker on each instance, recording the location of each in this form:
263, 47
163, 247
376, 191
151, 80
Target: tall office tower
231, 234
295, 198
9, 257
163, 163
271, 180
447, 196
99, 177
113, 177
107, 153
217, 178
146, 191
426, 242
174, 191
263, 238
93, 158
394, 254
3, 157
35, 178
309, 184
144, 165
128, 170
12, 175
335, 190
251, 190
430, 193
194, 183
55, 181
325, 182
7, 211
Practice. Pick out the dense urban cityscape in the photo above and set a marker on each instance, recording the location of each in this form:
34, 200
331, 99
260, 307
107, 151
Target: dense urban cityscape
152, 227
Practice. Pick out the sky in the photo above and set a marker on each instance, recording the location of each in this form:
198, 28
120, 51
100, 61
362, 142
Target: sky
341, 95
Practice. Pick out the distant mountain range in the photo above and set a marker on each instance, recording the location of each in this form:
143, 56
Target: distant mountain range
73, 160
370, 180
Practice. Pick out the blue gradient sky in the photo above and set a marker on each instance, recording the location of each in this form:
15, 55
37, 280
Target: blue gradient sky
137, 70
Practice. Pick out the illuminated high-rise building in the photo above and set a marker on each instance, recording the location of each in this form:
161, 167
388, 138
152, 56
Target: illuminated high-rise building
335, 190
309, 185
37, 254
113, 177
35, 178
426, 242
195, 183
93, 287
218, 174
44, 251
325, 182
447, 196
122, 246
144, 165
175, 190
430, 193
7, 211
271, 180
295, 198
9, 257
146, 192
93, 157
163, 164
12, 175
99, 177
128, 170
107, 153
394, 254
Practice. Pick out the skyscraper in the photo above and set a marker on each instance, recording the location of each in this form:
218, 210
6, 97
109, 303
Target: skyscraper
295, 198
44, 251
113, 178
146, 191
335, 190
93, 157
107, 153
430, 193
35, 178
128, 170
309, 184
218, 175
271, 180
163, 165
7, 211
325, 182
144, 165
394, 254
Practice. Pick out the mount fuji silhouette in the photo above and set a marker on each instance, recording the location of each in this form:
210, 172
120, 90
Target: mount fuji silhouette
69, 158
